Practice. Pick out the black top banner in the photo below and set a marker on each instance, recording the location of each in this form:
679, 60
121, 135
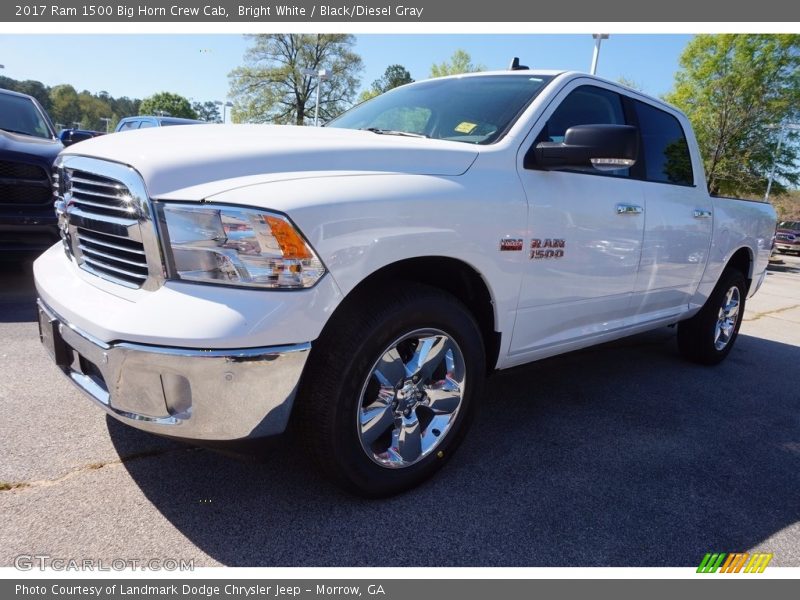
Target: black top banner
410, 11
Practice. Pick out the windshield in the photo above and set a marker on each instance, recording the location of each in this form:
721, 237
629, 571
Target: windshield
789, 225
20, 115
474, 110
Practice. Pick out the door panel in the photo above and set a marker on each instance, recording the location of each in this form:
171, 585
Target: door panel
586, 288
678, 221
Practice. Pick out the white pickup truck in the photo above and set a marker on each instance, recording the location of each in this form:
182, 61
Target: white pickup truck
360, 280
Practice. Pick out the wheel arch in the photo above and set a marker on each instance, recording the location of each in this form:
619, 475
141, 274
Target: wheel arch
452, 275
742, 260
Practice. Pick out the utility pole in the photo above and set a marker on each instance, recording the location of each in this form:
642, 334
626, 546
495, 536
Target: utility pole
598, 39
321, 75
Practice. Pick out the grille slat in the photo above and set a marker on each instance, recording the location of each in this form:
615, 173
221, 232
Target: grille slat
105, 266
87, 192
99, 254
96, 241
89, 205
106, 183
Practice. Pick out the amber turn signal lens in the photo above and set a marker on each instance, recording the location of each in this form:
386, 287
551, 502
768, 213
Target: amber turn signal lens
292, 245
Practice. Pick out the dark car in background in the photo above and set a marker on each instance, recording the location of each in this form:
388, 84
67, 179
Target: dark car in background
787, 237
28, 147
73, 136
145, 121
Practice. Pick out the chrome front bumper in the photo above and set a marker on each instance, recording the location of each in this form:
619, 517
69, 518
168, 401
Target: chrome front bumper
217, 395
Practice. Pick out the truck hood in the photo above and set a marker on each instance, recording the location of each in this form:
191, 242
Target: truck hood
28, 145
176, 158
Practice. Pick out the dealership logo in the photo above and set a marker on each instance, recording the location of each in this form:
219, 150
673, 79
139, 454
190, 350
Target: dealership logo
736, 562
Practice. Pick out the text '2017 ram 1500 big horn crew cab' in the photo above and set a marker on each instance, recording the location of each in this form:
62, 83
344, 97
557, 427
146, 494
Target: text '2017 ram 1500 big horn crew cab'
362, 278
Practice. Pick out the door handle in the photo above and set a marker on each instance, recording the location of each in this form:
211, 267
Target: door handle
702, 214
629, 209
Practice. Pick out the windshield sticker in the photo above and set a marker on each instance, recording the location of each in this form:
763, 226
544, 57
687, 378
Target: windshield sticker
465, 127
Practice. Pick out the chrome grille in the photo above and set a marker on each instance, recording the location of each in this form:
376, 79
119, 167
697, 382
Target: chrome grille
104, 215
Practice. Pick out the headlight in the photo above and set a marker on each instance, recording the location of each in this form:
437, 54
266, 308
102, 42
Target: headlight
237, 246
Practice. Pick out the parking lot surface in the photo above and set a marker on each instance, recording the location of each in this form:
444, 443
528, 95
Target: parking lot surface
620, 455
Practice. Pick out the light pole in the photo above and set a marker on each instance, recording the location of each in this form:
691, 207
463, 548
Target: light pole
783, 129
321, 76
225, 106
598, 38
107, 121
77, 124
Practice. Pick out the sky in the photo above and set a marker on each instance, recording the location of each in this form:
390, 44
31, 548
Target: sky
196, 65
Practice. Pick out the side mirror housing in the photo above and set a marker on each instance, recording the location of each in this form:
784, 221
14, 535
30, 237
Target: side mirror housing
73, 136
602, 147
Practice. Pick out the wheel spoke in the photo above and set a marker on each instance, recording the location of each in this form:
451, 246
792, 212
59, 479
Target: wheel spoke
375, 420
429, 354
732, 309
407, 439
443, 400
434, 431
390, 370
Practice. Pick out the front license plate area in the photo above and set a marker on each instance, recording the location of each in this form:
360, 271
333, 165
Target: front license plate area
52, 341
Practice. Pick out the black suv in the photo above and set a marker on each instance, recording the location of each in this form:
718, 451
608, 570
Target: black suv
28, 147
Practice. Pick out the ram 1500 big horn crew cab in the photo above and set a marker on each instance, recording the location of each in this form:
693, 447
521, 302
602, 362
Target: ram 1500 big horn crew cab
362, 278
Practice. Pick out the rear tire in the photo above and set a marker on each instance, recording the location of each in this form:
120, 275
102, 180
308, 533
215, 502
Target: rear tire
708, 337
390, 388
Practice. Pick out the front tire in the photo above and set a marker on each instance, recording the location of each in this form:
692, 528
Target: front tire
391, 388
708, 337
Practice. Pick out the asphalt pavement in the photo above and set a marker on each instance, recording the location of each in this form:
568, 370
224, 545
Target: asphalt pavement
619, 455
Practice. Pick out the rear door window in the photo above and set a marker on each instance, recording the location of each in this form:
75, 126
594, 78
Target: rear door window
665, 150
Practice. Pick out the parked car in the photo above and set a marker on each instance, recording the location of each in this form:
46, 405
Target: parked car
364, 277
787, 237
73, 136
143, 122
28, 147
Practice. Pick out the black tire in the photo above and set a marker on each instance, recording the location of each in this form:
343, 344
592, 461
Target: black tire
699, 339
343, 371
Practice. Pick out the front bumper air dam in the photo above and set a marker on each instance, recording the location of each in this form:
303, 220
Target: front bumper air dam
203, 395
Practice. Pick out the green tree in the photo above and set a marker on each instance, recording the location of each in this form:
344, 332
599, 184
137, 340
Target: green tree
65, 107
271, 85
207, 111
394, 76
460, 62
167, 103
736, 89
125, 107
93, 110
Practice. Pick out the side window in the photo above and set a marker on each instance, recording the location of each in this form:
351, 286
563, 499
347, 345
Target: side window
585, 105
665, 150
128, 125
145, 124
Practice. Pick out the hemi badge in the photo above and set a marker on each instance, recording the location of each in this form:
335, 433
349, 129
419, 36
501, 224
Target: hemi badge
511, 245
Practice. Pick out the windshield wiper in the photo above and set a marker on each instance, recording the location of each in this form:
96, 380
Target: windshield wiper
19, 132
394, 132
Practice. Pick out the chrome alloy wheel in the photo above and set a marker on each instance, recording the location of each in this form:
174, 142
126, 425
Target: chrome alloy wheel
726, 319
411, 398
